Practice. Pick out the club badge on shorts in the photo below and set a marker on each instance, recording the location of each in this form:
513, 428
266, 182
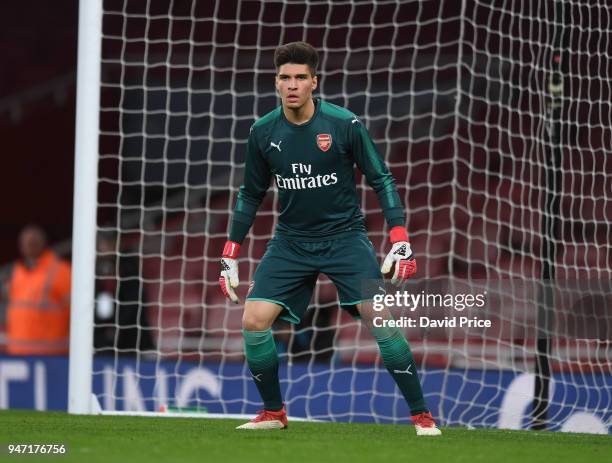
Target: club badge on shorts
324, 141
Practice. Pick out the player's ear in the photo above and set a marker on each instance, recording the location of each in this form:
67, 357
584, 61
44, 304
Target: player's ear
314, 82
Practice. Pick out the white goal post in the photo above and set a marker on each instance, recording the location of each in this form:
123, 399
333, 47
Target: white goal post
85, 199
495, 119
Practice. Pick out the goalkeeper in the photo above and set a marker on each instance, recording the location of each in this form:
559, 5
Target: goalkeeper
309, 148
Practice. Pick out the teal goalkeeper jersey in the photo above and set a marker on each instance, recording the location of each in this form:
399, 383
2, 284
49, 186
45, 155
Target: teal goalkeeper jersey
313, 167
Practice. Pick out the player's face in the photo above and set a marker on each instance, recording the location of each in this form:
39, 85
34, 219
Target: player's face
295, 85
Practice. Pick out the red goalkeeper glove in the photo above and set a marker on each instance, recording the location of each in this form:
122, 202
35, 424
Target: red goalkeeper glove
228, 280
401, 256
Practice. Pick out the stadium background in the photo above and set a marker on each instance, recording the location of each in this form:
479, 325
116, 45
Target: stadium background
37, 117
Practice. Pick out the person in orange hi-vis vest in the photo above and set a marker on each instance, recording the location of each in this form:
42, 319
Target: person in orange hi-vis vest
38, 309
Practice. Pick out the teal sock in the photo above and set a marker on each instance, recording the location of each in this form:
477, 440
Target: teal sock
398, 359
261, 355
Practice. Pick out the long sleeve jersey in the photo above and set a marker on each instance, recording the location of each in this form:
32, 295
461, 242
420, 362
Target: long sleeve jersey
312, 166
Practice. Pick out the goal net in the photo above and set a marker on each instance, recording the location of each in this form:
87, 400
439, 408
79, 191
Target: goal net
494, 159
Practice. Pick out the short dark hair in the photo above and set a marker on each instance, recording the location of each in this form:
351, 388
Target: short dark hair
297, 53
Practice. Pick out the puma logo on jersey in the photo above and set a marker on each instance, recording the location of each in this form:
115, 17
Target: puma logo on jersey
354, 120
257, 377
401, 251
277, 146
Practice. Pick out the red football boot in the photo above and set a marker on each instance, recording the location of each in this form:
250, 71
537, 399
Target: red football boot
266, 419
425, 425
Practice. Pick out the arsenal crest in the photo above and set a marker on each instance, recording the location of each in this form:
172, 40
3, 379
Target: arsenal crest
324, 141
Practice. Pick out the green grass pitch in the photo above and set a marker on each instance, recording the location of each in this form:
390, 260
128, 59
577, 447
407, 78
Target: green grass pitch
139, 439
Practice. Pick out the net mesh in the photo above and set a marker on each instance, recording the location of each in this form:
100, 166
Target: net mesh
456, 97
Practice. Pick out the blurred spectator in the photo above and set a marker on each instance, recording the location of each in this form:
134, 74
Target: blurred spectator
38, 292
121, 320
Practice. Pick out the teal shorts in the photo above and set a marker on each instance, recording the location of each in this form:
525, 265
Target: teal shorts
289, 269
